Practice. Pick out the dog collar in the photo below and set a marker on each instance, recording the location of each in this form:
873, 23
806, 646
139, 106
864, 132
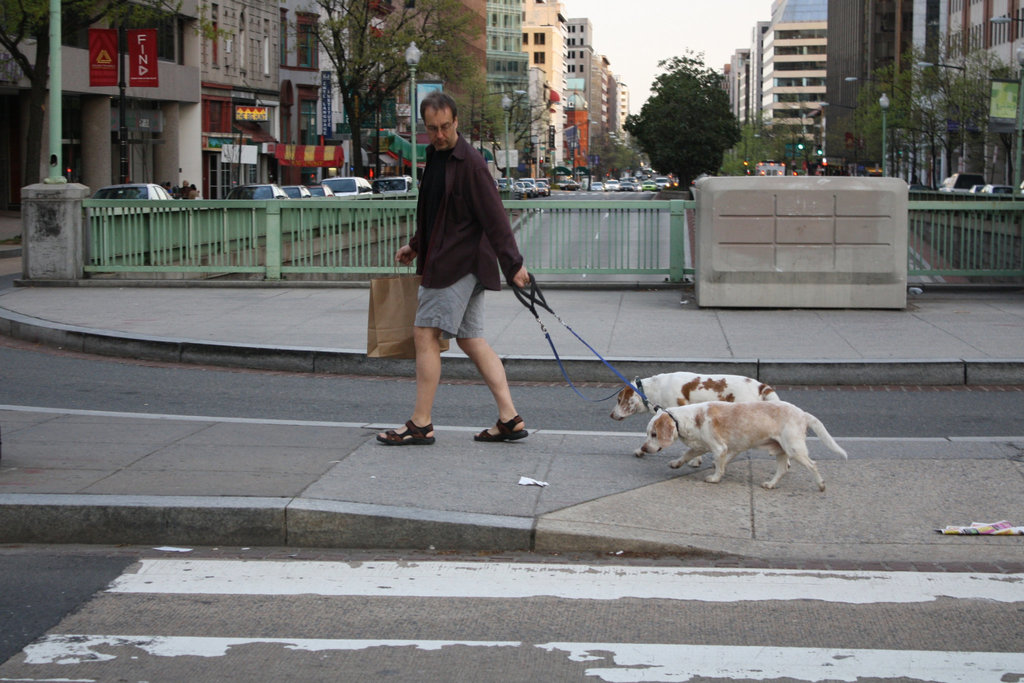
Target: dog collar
640, 392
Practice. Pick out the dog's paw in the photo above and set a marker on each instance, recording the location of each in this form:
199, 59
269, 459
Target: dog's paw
768, 485
639, 453
676, 464
712, 479
695, 463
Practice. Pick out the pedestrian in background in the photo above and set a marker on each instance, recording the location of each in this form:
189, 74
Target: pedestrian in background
462, 237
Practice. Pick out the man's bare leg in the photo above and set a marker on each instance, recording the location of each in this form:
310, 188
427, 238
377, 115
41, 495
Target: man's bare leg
493, 372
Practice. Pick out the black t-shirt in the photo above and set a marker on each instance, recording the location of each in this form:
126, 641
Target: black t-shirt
432, 188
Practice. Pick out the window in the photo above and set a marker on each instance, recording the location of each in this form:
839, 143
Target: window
538, 57
216, 116
526, 39
307, 122
284, 37
306, 41
538, 39
215, 43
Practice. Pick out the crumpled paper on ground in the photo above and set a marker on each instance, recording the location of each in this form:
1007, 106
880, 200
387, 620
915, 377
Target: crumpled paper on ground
1001, 528
527, 481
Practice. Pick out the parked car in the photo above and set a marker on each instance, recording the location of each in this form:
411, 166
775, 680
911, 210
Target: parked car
597, 186
997, 189
611, 185
347, 187
921, 188
132, 191
962, 182
257, 191
320, 191
531, 187
296, 191
502, 184
543, 187
393, 185
520, 190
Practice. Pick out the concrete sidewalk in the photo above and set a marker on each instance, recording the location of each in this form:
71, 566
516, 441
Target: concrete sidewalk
80, 476
128, 478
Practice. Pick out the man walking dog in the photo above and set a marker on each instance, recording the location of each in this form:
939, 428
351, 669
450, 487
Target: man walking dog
462, 237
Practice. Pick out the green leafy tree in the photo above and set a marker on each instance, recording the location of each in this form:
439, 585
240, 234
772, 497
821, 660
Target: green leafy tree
365, 41
686, 126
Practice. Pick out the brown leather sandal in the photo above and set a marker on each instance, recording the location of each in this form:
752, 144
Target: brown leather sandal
412, 436
506, 431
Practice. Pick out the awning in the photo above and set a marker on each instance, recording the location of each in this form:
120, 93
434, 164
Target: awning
310, 155
554, 96
255, 131
561, 170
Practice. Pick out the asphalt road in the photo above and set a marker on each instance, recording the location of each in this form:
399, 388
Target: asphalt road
39, 376
260, 615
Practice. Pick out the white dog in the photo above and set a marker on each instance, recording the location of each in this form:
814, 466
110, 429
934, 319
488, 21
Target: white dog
673, 389
727, 429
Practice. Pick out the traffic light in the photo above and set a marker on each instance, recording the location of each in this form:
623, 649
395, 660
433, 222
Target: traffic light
800, 146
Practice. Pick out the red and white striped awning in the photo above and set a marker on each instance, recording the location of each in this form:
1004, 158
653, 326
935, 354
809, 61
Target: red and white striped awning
310, 155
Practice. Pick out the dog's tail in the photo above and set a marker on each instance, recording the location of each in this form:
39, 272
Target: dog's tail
826, 438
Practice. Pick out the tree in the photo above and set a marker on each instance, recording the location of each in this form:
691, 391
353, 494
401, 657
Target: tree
686, 125
365, 40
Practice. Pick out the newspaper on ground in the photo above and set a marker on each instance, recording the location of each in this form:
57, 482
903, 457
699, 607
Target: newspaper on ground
1001, 528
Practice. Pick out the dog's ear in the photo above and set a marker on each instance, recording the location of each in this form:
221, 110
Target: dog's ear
665, 428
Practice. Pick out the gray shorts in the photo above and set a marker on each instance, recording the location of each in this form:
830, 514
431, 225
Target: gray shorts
457, 310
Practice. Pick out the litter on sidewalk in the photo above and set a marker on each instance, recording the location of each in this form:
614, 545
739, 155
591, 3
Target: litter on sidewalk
1001, 528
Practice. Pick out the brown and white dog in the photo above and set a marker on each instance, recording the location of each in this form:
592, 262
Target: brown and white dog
727, 429
673, 389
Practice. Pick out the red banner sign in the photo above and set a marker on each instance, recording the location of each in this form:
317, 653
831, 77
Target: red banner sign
142, 71
102, 57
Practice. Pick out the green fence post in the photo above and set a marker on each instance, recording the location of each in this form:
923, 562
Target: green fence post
677, 239
273, 246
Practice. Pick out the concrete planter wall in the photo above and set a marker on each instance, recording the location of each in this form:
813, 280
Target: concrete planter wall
801, 242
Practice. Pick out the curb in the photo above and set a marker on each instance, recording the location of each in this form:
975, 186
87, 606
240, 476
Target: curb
915, 372
252, 521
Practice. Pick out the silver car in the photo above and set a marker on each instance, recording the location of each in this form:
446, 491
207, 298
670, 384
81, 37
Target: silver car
132, 191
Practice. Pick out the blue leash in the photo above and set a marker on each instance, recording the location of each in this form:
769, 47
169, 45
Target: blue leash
535, 298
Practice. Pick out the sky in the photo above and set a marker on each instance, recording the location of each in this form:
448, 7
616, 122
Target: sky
636, 34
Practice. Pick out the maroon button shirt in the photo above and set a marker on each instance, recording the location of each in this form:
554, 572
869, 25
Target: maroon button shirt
472, 233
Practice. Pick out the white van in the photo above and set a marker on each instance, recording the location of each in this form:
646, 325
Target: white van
401, 184
347, 187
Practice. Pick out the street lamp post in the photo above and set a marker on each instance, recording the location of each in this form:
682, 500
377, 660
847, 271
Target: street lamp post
412, 58
883, 102
1017, 160
506, 104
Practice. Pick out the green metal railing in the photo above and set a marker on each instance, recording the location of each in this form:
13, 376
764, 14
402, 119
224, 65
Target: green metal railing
358, 237
966, 241
947, 240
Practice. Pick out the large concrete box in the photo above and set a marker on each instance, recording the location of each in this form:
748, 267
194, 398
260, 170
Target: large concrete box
801, 242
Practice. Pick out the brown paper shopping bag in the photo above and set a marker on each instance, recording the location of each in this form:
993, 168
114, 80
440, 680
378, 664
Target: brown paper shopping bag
393, 302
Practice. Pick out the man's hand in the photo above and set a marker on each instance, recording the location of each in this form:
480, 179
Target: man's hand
405, 255
522, 278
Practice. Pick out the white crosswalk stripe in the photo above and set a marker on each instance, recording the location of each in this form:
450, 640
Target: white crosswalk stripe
675, 594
